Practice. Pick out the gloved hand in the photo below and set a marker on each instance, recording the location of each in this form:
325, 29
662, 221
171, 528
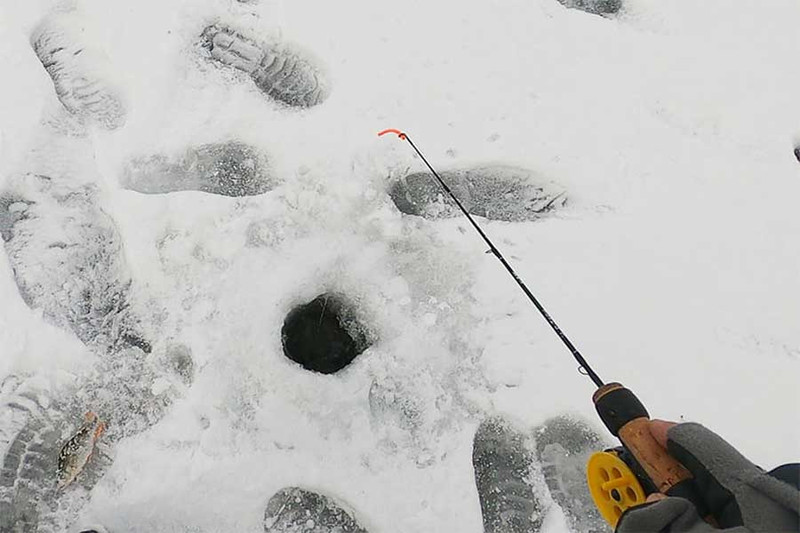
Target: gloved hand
740, 496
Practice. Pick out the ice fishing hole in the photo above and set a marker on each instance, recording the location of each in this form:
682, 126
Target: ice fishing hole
324, 335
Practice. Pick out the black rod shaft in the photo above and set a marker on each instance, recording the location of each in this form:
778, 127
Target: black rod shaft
575, 353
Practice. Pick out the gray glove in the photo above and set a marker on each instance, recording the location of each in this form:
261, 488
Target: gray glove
740, 496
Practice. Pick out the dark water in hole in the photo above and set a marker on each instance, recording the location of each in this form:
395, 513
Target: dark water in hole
323, 335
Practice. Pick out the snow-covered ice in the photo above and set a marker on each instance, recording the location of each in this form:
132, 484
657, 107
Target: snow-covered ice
138, 284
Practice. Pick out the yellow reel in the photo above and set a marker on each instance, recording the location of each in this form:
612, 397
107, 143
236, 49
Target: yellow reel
613, 486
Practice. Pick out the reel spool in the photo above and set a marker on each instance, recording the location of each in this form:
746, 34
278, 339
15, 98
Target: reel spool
613, 485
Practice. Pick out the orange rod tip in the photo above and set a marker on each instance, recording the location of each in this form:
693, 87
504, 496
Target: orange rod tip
392, 130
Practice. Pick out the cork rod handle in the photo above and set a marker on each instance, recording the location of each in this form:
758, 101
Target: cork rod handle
626, 418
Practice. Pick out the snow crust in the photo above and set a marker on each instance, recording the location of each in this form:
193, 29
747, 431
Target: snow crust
675, 267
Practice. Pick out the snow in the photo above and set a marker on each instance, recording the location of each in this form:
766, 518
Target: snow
674, 268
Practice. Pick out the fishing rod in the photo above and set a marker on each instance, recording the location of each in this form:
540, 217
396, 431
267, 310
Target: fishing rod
561, 335
619, 478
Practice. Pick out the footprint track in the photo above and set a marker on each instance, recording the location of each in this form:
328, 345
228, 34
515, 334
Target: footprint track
498, 192
230, 168
595, 7
296, 510
79, 88
503, 467
68, 261
66, 256
278, 70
